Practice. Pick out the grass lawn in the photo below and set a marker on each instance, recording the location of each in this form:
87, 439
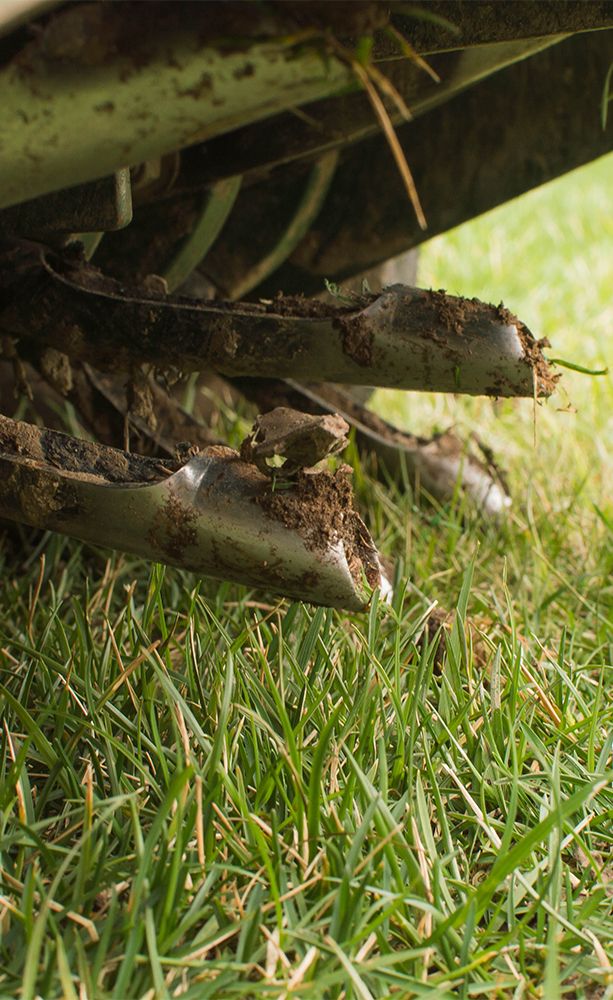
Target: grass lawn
206, 792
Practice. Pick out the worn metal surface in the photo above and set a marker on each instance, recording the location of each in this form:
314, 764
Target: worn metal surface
102, 205
342, 121
216, 515
248, 253
133, 88
404, 338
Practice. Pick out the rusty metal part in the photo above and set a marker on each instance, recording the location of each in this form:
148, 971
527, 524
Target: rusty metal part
101, 205
405, 337
216, 515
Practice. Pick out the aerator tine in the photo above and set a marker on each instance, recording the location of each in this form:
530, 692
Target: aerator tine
218, 514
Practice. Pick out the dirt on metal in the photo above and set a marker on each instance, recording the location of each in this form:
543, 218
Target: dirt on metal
319, 506
357, 338
297, 440
298, 305
85, 459
144, 325
174, 528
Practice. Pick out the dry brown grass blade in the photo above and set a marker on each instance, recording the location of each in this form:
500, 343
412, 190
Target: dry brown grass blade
392, 139
387, 87
407, 50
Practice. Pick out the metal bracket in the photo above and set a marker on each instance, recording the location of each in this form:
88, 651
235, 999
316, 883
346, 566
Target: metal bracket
98, 206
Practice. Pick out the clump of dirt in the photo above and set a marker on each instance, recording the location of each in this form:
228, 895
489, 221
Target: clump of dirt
141, 402
299, 440
358, 338
18, 438
320, 508
546, 380
56, 368
453, 312
315, 506
174, 528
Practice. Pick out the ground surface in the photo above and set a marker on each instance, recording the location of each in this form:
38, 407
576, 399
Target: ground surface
205, 793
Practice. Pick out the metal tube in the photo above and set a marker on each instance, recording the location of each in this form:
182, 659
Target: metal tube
217, 515
103, 86
406, 338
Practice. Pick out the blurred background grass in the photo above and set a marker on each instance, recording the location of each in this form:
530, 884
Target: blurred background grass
549, 256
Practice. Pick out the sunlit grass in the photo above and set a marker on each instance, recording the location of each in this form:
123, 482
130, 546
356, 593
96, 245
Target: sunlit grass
208, 793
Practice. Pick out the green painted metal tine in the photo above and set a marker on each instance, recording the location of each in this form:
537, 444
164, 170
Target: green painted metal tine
218, 203
315, 192
91, 242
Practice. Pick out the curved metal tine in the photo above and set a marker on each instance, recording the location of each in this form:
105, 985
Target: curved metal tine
216, 207
216, 515
404, 338
310, 205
